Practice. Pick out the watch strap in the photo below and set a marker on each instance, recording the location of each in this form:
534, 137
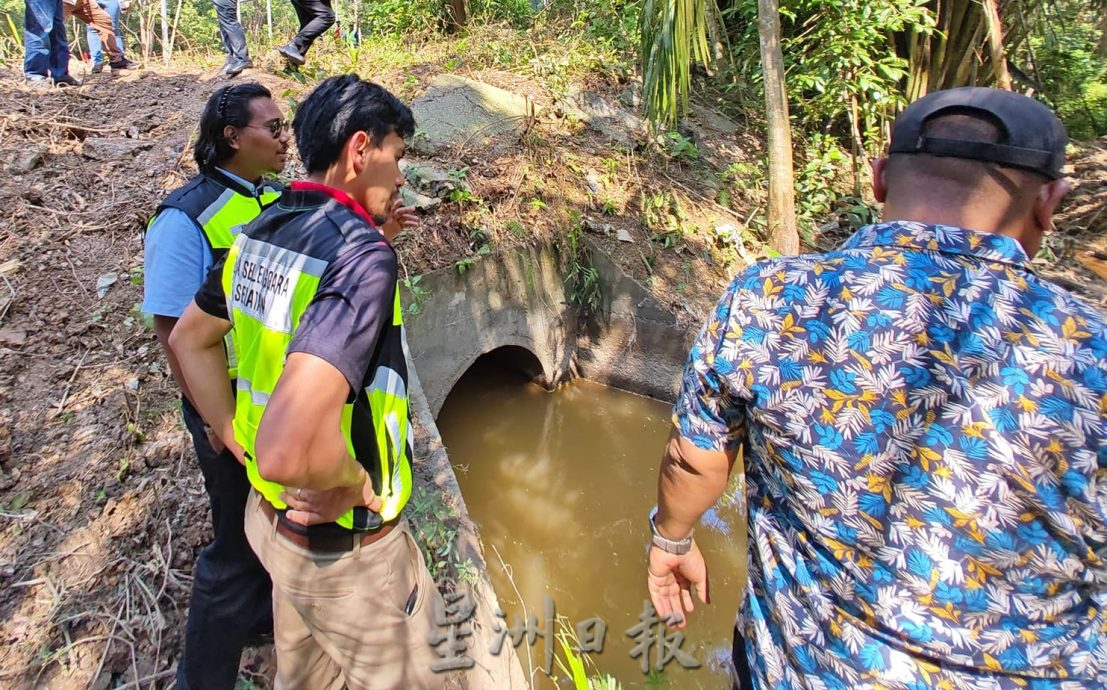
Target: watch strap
677, 547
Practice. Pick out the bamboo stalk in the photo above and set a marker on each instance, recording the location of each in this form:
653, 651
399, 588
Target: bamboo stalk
963, 37
164, 7
967, 70
941, 53
176, 23
996, 49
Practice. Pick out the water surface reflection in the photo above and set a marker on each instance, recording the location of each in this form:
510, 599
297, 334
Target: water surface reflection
560, 484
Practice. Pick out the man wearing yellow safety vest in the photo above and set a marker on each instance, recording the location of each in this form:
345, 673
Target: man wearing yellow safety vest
320, 412
242, 136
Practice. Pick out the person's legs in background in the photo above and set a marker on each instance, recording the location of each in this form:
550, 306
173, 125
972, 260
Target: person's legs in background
90, 13
233, 37
231, 591
316, 16
45, 45
95, 48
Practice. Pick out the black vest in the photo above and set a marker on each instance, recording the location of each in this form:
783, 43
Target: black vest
220, 206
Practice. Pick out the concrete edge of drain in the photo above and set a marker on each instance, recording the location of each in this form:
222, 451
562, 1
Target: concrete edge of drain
490, 672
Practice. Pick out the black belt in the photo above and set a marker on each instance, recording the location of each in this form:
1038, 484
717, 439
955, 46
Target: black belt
323, 543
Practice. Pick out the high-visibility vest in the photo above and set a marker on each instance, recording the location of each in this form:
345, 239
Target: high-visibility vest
220, 206
268, 288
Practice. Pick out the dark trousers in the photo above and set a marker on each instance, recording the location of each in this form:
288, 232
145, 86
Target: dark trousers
316, 16
45, 44
231, 592
744, 681
230, 30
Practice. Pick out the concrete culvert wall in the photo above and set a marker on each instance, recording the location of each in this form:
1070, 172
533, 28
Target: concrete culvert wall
518, 302
633, 343
501, 301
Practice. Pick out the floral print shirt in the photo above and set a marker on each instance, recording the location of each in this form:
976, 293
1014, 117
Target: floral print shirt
925, 449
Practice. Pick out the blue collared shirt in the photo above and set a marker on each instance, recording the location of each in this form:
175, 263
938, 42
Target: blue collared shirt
177, 258
925, 431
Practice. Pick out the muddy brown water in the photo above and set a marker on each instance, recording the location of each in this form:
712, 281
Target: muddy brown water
560, 485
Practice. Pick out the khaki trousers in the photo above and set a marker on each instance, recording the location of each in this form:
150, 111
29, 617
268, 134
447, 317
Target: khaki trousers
92, 14
338, 618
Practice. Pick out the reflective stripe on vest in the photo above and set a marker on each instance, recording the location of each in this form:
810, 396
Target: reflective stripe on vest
388, 403
221, 222
268, 289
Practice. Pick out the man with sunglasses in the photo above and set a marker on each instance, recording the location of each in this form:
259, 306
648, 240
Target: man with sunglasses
242, 138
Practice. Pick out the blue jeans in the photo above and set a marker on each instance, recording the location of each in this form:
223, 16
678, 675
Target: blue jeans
95, 48
45, 45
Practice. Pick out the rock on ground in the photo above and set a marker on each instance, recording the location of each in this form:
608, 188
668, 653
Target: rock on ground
459, 112
107, 149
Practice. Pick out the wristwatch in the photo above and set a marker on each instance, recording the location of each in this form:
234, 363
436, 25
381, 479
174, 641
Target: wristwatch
677, 547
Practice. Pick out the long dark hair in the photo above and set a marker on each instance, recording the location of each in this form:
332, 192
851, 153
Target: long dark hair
229, 105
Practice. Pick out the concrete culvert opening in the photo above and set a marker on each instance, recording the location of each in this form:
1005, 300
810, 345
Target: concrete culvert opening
510, 365
515, 359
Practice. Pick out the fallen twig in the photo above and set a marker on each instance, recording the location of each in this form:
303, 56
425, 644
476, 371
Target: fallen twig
29, 515
58, 124
68, 386
148, 679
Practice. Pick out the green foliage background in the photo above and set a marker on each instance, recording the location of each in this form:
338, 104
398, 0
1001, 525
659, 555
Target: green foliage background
846, 75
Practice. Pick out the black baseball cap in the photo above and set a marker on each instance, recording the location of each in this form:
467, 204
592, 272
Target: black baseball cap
1030, 135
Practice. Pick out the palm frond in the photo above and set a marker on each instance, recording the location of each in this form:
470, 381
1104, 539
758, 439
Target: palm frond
673, 33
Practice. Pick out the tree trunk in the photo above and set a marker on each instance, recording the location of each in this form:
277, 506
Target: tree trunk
783, 235
144, 33
1101, 48
459, 13
995, 44
269, 17
165, 31
176, 23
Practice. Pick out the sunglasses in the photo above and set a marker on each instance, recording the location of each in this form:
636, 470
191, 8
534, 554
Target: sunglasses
275, 127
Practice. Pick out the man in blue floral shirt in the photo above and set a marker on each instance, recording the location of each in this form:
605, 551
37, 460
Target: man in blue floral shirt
925, 429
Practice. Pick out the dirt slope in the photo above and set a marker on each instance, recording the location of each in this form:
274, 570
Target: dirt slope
102, 508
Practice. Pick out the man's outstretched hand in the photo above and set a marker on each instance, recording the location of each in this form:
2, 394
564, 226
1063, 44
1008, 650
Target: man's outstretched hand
670, 580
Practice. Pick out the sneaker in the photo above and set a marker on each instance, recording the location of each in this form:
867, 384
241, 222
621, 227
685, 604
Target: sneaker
291, 54
66, 80
123, 63
37, 81
97, 68
233, 69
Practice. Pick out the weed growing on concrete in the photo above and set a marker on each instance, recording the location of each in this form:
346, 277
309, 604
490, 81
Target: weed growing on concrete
418, 293
516, 228
435, 526
581, 278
